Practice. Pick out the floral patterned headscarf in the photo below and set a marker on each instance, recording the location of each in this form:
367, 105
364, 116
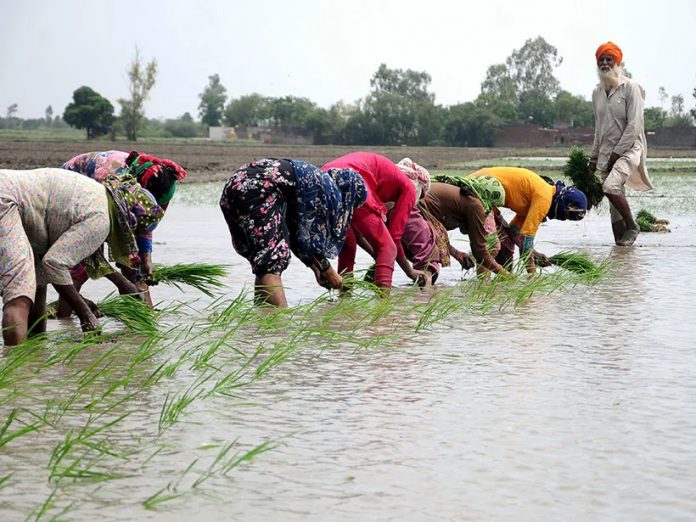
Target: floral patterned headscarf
487, 189
325, 205
133, 210
417, 174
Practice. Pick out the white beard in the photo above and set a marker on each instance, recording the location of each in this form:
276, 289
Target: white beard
611, 78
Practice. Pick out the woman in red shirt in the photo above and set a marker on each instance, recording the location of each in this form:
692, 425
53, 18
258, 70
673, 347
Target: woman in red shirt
386, 184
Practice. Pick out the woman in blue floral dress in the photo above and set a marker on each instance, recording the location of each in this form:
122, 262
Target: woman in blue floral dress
277, 206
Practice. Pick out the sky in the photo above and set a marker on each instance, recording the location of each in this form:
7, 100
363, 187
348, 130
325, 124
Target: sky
326, 51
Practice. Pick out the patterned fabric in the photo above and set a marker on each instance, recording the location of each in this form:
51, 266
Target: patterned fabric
254, 203
492, 239
157, 175
441, 236
420, 244
325, 205
134, 211
486, 188
417, 174
50, 220
98, 165
568, 203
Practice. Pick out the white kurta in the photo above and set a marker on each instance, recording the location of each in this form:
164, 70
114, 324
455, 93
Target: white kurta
619, 128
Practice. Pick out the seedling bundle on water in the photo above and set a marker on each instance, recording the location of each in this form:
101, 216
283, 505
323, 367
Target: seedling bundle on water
649, 223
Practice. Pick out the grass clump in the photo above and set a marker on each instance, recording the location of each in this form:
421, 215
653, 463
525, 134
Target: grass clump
576, 170
201, 276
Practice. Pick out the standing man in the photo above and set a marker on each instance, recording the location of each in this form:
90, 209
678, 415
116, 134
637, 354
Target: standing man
619, 150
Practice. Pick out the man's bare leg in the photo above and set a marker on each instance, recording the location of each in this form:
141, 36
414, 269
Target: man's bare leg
630, 228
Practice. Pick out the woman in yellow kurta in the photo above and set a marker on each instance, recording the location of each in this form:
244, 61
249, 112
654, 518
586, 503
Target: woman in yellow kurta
533, 199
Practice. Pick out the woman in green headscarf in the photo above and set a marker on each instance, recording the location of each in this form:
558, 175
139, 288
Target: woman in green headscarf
466, 204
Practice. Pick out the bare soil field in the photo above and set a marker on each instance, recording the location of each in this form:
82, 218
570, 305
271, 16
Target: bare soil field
207, 161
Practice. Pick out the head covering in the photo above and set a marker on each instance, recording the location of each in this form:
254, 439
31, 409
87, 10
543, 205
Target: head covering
611, 49
487, 189
325, 205
159, 176
417, 174
568, 203
133, 211
98, 165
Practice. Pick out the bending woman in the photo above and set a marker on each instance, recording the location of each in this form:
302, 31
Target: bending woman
386, 184
467, 204
50, 220
534, 200
275, 206
158, 176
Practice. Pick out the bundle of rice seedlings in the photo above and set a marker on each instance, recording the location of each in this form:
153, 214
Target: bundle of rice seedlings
576, 170
649, 223
134, 313
202, 276
578, 262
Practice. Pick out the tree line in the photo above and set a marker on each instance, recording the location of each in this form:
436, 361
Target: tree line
400, 109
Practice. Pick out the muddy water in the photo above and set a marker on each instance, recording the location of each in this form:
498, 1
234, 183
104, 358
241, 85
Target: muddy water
580, 404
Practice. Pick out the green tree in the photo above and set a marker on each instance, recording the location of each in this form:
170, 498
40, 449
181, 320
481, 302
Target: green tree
471, 124
526, 81
505, 110
212, 103
499, 84
10, 119
693, 111
575, 110
142, 79
49, 116
89, 110
249, 110
678, 117
182, 127
402, 108
654, 118
290, 110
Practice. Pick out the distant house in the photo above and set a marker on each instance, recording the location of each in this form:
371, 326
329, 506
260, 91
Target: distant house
273, 135
221, 133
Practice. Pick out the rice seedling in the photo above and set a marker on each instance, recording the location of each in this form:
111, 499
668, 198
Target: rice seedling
580, 263
222, 465
441, 306
174, 406
48, 504
649, 223
4, 481
169, 492
645, 220
576, 170
201, 276
6, 436
134, 313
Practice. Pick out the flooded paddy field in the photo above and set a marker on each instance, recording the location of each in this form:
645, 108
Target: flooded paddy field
552, 398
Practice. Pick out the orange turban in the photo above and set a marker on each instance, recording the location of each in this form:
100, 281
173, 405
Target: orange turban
611, 49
